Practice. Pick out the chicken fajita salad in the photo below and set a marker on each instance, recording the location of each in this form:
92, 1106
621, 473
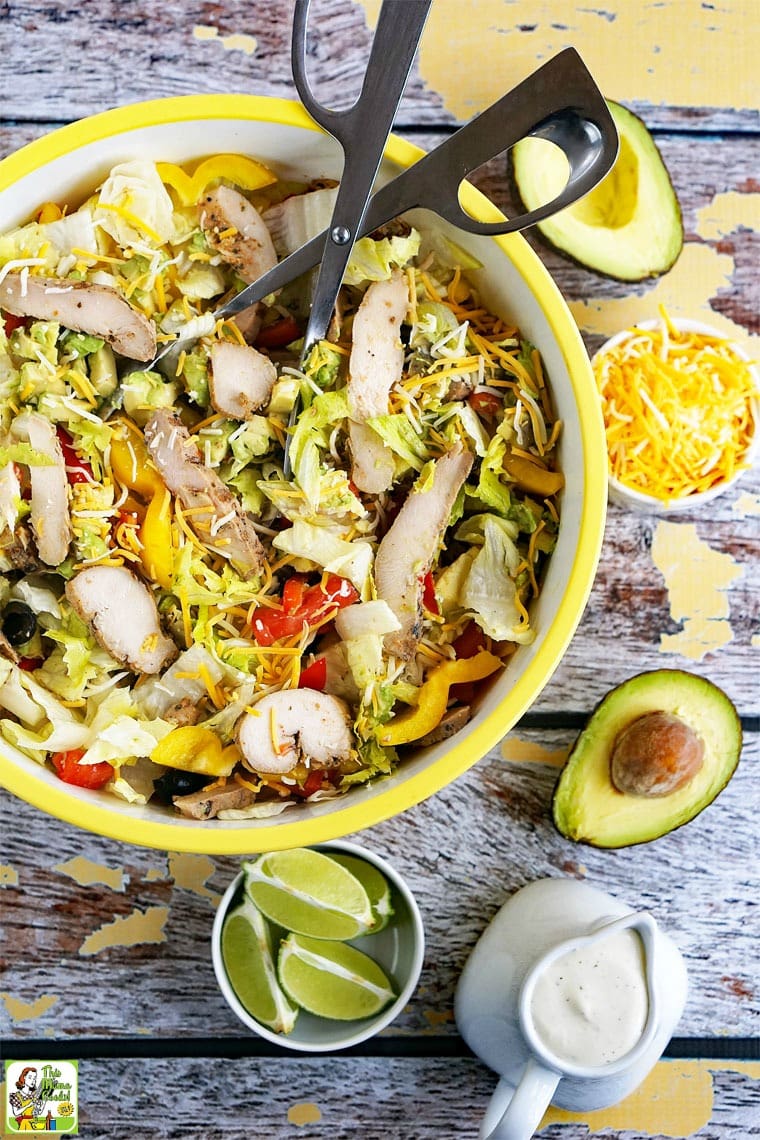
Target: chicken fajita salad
180, 621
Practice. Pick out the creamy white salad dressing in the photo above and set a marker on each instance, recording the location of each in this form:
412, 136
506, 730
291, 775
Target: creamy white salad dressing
590, 1006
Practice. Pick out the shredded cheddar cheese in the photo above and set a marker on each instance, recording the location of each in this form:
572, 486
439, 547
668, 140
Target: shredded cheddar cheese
677, 409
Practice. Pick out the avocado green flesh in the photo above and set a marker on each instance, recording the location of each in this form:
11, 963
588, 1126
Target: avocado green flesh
589, 809
629, 227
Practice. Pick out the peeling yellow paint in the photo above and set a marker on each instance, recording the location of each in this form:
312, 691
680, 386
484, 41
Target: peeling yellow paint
747, 504
85, 872
191, 872
697, 578
512, 37
436, 1017
8, 875
727, 213
137, 927
235, 42
685, 291
676, 1100
305, 1112
19, 1010
524, 750
154, 875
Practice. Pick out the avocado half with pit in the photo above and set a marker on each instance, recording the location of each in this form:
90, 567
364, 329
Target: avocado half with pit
628, 227
655, 752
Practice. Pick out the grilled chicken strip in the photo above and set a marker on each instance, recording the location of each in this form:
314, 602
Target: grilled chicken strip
375, 365
122, 615
95, 309
50, 517
241, 379
410, 545
223, 525
295, 724
248, 246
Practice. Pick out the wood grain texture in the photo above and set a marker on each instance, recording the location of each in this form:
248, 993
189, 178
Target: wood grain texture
466, 849
340, 1097
125, 52
464, 852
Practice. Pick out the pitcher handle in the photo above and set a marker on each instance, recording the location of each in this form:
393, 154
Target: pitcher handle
531, 1098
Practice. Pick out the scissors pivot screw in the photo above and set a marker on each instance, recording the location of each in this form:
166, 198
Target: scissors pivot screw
341, 235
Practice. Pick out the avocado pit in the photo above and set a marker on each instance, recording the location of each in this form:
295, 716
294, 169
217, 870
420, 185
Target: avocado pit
655, 755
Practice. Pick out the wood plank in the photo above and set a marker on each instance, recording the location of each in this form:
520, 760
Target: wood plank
178, 49
464, 852
377, 1099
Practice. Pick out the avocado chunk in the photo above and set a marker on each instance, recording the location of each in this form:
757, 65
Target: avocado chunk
629, 226
655, 752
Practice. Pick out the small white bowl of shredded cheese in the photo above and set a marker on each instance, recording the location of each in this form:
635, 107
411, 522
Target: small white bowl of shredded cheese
681, 414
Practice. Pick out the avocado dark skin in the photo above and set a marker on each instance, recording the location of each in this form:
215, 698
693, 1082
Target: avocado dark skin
655, 752
629, 227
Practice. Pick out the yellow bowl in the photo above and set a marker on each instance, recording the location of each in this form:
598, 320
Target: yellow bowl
65, 166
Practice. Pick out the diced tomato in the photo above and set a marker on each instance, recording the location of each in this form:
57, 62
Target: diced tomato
311, 784
29, 664
292, 593
429, 600
69, 769
317, 603
470, 641
269, 626
77, 470
279, 334
485, 403
314, 676
12, 323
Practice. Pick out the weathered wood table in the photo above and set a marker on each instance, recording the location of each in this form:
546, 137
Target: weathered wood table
105, 947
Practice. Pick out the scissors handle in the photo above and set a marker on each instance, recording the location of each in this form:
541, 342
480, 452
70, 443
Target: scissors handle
559, 102
362, 131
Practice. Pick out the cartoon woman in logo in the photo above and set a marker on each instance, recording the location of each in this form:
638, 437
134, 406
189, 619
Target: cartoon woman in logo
27, 1103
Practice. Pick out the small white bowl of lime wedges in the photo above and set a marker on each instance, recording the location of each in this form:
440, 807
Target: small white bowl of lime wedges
318, 948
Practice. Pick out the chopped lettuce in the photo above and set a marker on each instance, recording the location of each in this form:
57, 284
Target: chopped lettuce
373, 260
399, 435
489, 591
134, 205
146, 391
325, 547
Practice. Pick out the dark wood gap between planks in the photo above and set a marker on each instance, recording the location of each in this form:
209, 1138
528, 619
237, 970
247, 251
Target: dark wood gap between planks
62, 1049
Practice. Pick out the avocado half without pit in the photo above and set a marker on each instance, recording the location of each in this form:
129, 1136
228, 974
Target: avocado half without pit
655, 752
629, 227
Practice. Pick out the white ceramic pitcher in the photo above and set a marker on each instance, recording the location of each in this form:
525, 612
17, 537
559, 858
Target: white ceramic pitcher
539, 924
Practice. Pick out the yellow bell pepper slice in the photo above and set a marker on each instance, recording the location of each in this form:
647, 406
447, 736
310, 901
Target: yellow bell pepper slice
194, 749
242, 171
157, 552
416, 722
532, 478
49, 212
131, 463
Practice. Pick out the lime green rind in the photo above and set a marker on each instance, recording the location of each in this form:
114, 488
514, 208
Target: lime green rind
332, 980
249, 962
309, 893
375, 884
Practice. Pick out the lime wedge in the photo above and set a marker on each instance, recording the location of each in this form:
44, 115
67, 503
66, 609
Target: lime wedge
248, 960
309, 893
331, 979
375, 884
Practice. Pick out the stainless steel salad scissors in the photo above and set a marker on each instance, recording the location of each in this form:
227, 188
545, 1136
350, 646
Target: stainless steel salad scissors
559, 102
362, 132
